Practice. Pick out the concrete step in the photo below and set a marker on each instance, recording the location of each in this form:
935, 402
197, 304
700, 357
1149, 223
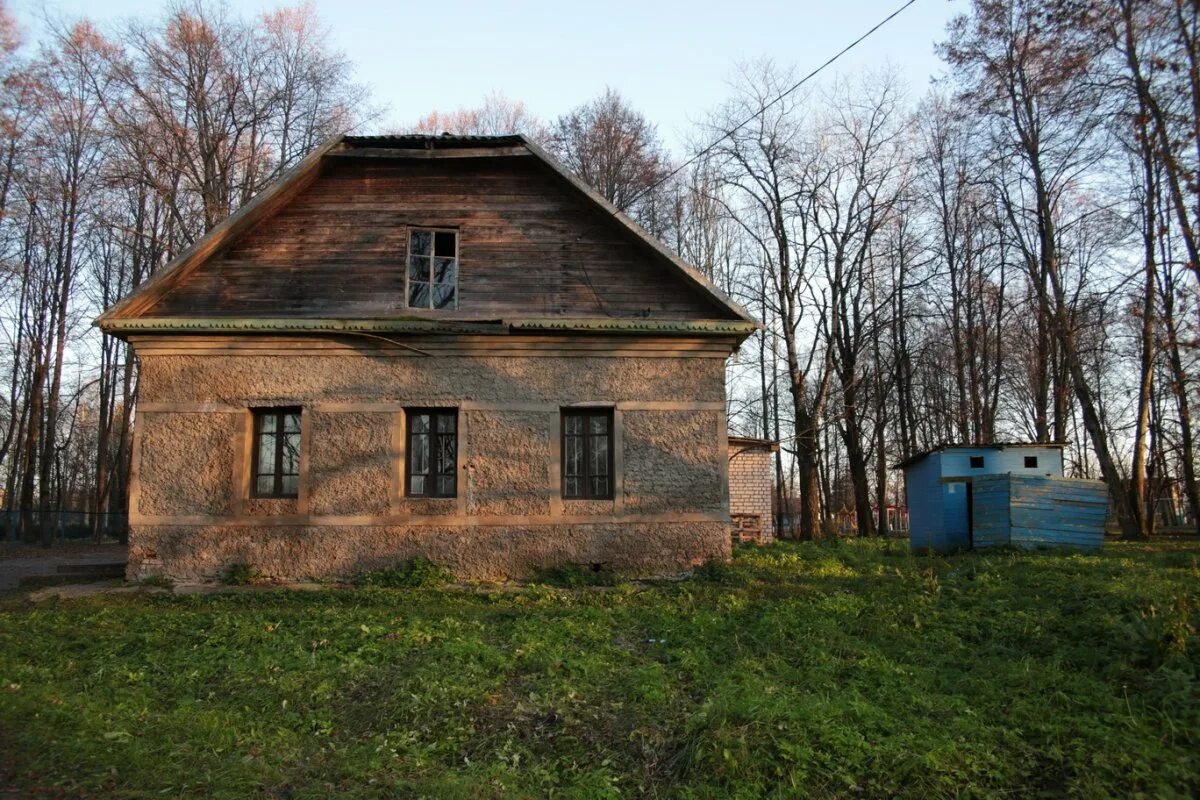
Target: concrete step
107, 569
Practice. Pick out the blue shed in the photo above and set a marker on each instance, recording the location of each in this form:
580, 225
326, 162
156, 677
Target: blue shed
1038, 511
939, 487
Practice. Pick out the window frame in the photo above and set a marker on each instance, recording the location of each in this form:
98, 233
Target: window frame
977, 462
408, 254
431, 476
1034, 465
279, 413
586, 478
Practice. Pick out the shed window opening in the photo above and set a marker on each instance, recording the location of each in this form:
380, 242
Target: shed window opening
976, 462
276, 456
432, 268
1031, 462
587, 454
432, 453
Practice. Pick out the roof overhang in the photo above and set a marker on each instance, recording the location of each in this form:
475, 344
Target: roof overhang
125, 316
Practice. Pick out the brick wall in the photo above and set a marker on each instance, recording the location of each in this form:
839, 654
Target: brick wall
750, 488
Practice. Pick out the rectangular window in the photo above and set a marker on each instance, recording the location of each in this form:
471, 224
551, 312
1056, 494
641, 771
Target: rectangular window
432, 268
276, 456
976, 462
432, 464
587, 436
1030, 462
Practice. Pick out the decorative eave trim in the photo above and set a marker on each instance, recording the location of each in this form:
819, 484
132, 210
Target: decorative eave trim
615, 326
292, 325
722, 327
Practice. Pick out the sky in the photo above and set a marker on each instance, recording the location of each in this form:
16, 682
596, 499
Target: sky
672, 60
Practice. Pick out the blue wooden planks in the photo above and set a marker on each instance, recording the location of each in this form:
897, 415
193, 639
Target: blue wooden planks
1039, 511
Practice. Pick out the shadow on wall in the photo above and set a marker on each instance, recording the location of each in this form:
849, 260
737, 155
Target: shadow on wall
672, 459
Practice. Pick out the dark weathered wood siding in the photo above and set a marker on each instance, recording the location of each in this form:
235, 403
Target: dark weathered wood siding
529, 245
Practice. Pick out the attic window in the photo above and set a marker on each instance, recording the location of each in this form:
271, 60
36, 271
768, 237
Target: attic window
976, 462
432, 268
1030, 462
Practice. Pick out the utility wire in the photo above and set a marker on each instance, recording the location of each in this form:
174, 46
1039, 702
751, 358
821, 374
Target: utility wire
764, 109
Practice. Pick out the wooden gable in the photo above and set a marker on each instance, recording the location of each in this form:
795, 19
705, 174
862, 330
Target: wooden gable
532, 243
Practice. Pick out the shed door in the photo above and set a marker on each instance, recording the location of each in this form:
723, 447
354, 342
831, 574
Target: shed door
970, 515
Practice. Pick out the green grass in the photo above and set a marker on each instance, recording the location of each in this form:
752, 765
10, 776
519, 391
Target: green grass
820, 670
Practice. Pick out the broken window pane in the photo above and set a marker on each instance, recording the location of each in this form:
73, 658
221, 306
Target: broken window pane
444, 243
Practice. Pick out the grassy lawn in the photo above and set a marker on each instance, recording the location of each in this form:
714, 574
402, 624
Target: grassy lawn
820, 670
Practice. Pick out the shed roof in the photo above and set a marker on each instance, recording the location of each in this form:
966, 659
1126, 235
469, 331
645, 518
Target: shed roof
745, 443
915, 457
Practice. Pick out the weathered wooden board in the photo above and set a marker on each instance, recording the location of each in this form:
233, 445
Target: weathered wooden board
527, 245
1039, 511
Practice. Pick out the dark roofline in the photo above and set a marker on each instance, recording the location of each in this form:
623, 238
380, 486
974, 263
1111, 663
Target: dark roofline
908, 462
444, 141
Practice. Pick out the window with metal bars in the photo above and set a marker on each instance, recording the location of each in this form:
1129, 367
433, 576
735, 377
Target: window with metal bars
587, 454
276, 456
431, 466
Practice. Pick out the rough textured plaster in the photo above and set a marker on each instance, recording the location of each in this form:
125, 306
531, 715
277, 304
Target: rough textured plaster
428, 506
350, 462
672, 461
672, 464
186, 463
270, 506
292, 553
586, 508
508, 463
270, 380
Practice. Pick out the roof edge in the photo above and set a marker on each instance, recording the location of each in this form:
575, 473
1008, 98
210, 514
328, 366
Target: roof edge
401, 324
263, 203
915, 457
685, 269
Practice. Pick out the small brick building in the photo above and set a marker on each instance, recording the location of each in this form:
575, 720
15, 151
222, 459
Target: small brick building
750, 489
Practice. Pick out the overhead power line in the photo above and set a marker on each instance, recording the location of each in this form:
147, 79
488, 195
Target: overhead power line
708, 149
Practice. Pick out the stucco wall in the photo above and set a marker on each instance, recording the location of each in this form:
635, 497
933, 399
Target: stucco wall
192, 516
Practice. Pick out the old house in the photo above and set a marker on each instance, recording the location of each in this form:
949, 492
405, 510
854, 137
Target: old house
437, 346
